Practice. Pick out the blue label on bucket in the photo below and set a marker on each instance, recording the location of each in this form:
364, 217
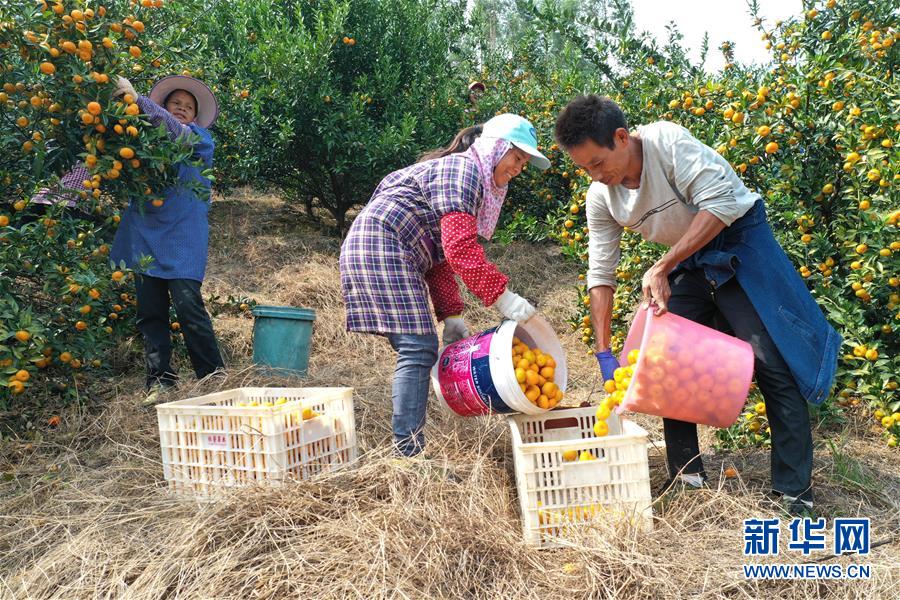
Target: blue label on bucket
484, 385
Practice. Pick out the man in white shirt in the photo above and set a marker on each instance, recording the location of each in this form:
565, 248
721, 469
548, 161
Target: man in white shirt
662, 182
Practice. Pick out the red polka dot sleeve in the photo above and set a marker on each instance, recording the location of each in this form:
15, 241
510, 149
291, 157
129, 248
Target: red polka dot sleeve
444, 291
459, 238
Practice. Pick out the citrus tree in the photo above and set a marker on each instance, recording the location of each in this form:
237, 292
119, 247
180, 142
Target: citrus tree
349, 91
62, 305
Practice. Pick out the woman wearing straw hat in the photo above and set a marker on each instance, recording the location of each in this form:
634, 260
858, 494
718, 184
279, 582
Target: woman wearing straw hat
175, 235
419, 231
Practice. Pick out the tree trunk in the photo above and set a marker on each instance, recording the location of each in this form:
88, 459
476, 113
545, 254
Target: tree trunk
340, 216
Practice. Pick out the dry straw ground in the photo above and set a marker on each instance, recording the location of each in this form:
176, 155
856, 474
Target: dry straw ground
83, 513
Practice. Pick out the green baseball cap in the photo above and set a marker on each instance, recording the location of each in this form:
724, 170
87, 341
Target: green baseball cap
519, 132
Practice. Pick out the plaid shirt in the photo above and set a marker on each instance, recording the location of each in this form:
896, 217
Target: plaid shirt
396, 239
66, 191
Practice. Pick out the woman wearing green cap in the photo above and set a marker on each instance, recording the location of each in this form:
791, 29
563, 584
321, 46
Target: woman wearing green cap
418, 231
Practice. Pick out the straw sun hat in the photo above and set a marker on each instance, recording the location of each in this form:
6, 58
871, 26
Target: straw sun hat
207, 107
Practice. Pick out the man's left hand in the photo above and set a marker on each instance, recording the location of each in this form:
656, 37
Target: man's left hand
655, 285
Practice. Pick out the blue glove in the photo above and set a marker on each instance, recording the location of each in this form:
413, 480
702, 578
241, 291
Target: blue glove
608, 364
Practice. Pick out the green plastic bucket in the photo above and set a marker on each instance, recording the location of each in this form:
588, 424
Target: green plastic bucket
282, 336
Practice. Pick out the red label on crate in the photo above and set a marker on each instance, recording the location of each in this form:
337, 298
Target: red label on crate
215, 441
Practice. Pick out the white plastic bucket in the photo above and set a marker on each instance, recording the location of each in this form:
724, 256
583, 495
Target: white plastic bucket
476, 376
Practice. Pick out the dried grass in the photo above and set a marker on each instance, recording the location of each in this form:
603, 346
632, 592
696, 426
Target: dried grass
83, 514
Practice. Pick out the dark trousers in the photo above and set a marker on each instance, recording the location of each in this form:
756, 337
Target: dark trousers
153, 322
729, 309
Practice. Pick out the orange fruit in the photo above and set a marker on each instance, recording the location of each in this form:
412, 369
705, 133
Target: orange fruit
601, 428
134, 51
81, 326
23, 336
633, 356
85, 309
94, 108
126, 152
603, 411
22, 375
48, 68
730, 472
16, 386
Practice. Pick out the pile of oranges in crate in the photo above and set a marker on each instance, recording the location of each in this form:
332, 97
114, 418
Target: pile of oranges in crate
535, 371
307, 414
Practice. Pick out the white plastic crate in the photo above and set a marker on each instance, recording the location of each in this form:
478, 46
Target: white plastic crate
556, 495
209, 443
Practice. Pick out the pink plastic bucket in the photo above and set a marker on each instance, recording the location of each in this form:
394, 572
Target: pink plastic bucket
686, 371
475, 376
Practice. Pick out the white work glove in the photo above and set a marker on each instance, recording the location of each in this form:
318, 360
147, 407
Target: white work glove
123, 86
454, 330
514, 307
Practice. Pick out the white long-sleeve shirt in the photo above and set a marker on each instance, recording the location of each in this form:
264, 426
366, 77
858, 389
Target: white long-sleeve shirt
680, 177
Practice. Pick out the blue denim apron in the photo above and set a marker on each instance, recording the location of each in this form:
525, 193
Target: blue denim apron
748, 250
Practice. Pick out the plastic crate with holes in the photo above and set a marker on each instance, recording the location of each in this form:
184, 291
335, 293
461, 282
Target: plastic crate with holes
249, 436
557, 493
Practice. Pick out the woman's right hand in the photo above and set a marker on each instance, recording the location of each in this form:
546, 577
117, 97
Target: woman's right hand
514, 307
123, 86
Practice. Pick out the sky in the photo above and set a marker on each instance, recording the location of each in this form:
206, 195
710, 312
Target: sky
722, 19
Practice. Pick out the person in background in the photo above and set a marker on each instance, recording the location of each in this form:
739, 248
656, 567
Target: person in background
65, 194
476, 91
723, 266
175, 235
417, 233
